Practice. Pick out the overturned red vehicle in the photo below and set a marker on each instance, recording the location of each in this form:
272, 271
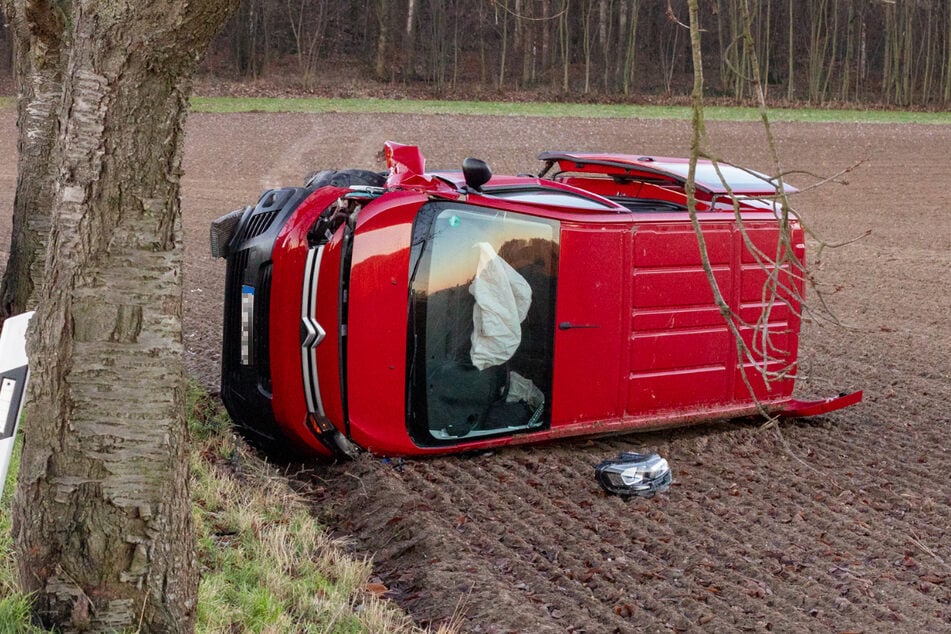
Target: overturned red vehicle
412, 312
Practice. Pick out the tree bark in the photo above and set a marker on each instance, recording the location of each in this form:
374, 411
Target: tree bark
38, 66
102, 515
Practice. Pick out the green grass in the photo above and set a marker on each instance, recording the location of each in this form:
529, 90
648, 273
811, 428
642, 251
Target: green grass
267, 565
14, 605
546, 109
549, 109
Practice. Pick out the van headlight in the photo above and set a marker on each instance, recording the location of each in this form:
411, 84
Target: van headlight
634, 474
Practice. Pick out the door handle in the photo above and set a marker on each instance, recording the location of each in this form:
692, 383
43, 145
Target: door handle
567, 325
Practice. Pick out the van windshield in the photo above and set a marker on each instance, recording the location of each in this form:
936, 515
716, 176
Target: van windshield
481, 323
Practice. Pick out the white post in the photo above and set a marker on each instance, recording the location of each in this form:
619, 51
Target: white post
14, 373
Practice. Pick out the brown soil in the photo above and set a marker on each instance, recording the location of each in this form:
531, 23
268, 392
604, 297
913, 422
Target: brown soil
836, 524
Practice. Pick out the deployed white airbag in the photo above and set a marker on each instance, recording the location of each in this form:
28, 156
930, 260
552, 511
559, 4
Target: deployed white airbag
502, 300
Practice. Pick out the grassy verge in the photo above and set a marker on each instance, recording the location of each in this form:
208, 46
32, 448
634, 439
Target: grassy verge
549, 109
317, 105
14, 605
266, 564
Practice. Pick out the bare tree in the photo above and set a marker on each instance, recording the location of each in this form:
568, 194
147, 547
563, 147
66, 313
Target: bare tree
409, 41
102, 516
382, 42
250, 37
587, 41
307, 20
946, 79
629, 43
790, 54
564, 42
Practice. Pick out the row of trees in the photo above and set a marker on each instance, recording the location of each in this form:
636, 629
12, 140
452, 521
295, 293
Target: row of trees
890, 51
895, 52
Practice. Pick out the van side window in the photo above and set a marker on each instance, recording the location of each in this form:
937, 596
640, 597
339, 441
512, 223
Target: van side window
481, 323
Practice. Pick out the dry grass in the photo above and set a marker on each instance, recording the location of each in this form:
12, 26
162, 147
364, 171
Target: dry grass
267, 565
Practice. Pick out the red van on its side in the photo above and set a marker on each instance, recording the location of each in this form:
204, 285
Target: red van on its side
413, 312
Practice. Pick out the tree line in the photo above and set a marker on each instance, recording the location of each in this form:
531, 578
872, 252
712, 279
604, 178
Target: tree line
893, 52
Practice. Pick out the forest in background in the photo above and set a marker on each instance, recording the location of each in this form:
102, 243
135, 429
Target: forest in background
885, 52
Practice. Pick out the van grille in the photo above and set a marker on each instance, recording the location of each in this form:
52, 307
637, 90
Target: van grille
258, 224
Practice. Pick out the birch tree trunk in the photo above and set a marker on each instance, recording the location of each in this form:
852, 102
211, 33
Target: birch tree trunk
102, 516
38, 61
409, 42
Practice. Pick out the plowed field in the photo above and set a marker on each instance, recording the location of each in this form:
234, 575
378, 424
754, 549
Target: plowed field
836, 524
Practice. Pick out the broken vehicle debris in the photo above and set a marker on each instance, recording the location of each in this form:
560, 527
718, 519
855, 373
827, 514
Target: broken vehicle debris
634, 473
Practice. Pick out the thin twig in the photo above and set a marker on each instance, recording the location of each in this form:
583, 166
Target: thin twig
928, 551
792, 454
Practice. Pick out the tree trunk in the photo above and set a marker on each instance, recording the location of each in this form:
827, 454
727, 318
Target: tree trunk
382, 41
102, 518
604, 40
505, 40
847, 62
586, 42
409, 42
526, 24
790, 56
630, 48
564, 41
38, 65
946, 94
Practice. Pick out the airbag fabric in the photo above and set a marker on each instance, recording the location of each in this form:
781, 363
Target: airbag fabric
502, 301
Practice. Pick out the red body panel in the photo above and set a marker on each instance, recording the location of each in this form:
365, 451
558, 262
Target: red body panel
587, 386
376, 350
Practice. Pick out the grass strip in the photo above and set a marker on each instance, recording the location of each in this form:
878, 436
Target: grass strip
319, 105
267, 565
322, 105
14, 605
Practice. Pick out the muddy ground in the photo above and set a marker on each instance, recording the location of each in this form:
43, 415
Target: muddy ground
840, 523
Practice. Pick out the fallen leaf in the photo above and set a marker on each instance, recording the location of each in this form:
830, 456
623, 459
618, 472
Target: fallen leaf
376, 588
624, 610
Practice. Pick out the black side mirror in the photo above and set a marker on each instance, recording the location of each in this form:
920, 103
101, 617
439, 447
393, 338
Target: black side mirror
476, 172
